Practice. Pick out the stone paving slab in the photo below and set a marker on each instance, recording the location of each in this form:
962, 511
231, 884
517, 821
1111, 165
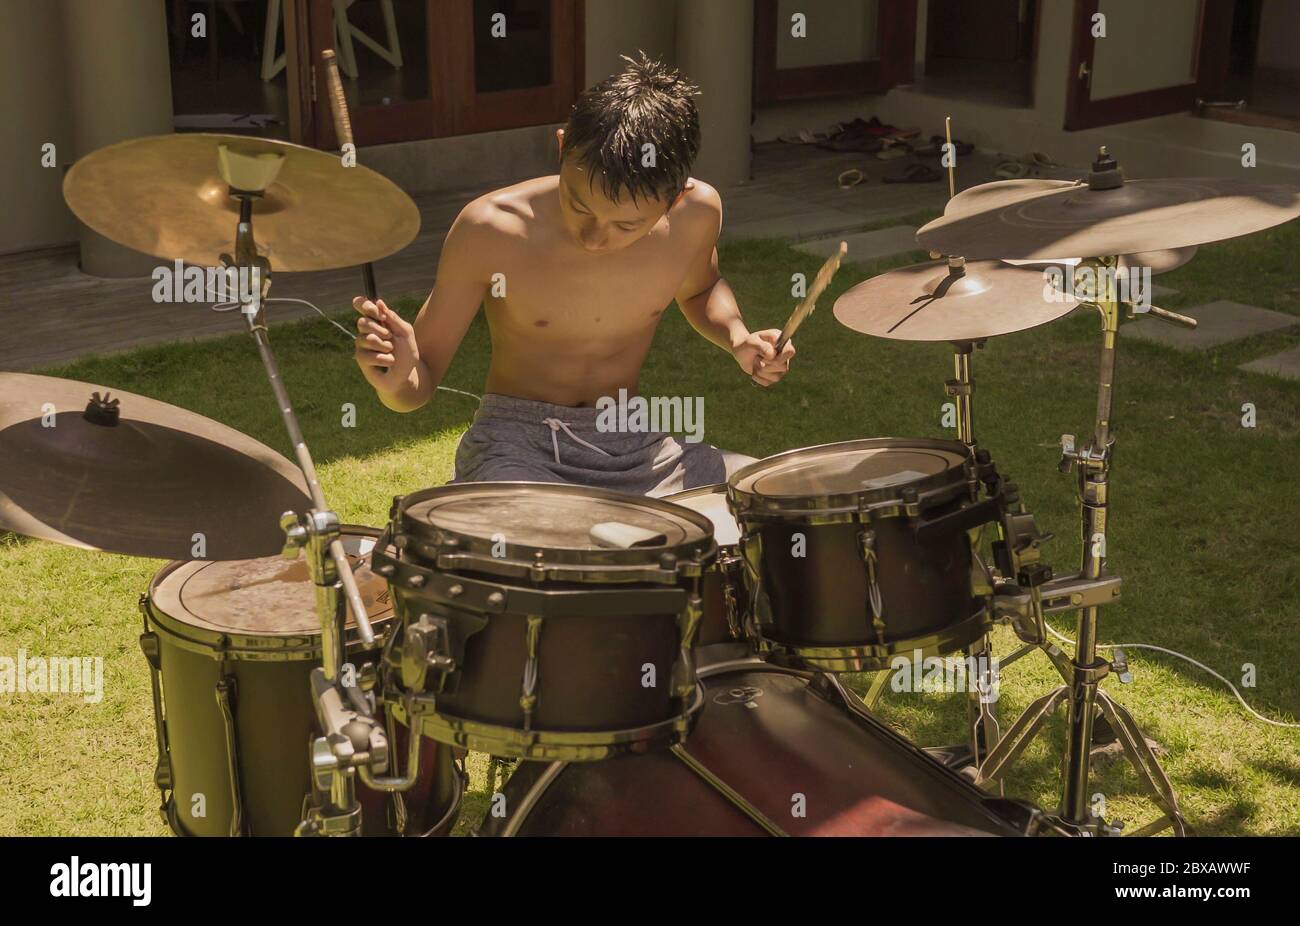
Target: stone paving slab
1220, 323
884, 242
1285, 364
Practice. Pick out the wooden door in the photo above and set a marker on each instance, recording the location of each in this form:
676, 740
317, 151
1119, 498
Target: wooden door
850, 47
448, 67
1145, 65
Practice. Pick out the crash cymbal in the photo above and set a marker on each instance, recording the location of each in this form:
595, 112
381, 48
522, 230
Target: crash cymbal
165, 196
934, 302
143, 481
1042, 221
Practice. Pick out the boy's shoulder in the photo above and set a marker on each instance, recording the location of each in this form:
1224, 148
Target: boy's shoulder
702, 196
700, 209
509, 210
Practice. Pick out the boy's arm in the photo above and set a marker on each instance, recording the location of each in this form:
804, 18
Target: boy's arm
405, 362
709, 304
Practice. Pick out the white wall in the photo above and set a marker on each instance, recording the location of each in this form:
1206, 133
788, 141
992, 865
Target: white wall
32, 71
837, 32
621, 27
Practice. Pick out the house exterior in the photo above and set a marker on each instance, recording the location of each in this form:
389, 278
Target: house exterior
455, 110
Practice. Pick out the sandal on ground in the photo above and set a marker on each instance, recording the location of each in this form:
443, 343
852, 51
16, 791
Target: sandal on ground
850, 178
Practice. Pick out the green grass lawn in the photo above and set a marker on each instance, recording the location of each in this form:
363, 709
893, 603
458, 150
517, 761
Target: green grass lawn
1204, 524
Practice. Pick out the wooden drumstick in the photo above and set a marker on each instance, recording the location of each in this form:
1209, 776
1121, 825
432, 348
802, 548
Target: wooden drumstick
343, 131
338, 102
809, 302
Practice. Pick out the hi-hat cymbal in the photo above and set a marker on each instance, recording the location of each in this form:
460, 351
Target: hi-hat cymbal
933, 302
1026, 219
164, 196
145, 485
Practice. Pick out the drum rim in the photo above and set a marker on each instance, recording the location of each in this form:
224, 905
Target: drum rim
242, 645
877, 657
450, 550
555, 745
748, 503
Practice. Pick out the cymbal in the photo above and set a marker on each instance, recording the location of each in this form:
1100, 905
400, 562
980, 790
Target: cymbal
999, 193
1025, 219
1160, 261
1002, 192
164, 196
143, 486
932, 302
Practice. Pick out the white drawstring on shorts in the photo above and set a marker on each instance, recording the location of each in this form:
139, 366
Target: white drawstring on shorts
556, 425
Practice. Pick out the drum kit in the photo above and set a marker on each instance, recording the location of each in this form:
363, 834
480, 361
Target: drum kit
650, 666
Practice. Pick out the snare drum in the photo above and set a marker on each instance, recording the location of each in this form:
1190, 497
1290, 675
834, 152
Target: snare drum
860, 550
723, 589
231, 646
547, 621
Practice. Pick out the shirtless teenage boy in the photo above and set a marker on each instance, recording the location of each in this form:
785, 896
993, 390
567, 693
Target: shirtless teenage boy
574, 272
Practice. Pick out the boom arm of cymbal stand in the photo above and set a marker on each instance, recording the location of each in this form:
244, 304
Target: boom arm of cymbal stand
1164, 315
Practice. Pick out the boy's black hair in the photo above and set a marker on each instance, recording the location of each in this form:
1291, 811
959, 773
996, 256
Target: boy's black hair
645, 103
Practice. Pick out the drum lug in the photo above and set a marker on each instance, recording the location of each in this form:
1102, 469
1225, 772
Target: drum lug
425, 646
225, 691
729, 605
683, 674
162, 773
875, 604
152, 651
751, 559
528, 692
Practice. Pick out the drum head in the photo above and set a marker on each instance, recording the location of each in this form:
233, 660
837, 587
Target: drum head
500, 526
844, 475
264, 597
711, 501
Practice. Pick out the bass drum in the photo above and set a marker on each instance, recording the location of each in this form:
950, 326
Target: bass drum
776, 751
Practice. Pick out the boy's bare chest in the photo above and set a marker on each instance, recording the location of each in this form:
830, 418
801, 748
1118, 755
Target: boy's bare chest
591, 297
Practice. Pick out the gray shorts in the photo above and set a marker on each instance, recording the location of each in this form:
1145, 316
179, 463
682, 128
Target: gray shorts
522, 440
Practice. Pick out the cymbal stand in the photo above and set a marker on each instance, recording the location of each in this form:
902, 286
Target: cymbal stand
1083, 674
981, 711
354, 738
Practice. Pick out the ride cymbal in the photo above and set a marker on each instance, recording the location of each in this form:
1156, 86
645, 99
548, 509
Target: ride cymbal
1034, 219
1000, 193
165, 196
936, 302
132, 475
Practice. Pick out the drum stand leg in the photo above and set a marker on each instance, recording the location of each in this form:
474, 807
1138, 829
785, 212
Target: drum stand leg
1083, 674
876, 689
981, 711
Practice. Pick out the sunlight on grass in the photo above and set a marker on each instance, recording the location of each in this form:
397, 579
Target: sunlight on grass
1204, 514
